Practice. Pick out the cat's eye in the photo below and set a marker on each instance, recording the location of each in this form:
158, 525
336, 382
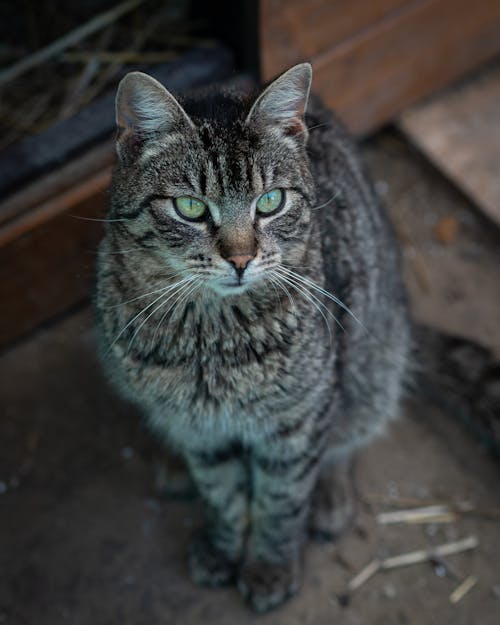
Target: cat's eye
270, 202
190, 207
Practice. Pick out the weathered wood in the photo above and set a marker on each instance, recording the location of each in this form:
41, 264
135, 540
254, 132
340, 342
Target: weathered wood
393, 61
98, 22
61, 203
459, 131
50, 267
292, 30
59, 181
52, 148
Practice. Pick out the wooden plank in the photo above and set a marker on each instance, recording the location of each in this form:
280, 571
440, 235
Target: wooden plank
292, 30
47, 254
59, 204
36, 155
50, 267
373, 75
42, 189
459, 131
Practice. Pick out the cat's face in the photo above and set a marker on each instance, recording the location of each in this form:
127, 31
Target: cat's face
223, 201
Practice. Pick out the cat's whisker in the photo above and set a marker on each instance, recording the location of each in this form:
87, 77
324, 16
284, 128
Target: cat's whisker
317, 299
334, 197
273, 282
143, 310
107, 221
314, 301
326, 293
308, 128
286, 291
134, 299
187, 292
176, 292
129, 251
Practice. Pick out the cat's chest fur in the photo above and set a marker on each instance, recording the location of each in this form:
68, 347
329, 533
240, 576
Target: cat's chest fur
235, 363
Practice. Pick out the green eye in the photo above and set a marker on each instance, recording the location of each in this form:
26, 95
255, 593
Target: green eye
271, 201
190, 207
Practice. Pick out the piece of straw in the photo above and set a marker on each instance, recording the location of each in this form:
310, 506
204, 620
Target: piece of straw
364, 575
423, 555
462, 589
93, 25
413, 557
427, 514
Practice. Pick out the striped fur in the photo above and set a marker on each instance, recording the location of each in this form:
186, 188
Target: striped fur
257, 386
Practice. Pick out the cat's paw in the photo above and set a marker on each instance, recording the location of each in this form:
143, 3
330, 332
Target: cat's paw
265, 586
332, 507
208, 565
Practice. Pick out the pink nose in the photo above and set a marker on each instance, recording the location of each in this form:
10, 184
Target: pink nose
240, 261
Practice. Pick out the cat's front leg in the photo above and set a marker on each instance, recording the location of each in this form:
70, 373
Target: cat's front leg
221, 480
281, 490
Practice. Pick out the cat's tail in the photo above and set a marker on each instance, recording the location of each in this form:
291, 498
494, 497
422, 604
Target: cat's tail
462, 377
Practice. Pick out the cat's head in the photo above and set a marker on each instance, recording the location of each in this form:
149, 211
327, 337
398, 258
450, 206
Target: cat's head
218, 188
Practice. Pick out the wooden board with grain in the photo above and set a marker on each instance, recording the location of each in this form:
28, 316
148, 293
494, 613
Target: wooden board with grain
47, 253
390, 55
459, 131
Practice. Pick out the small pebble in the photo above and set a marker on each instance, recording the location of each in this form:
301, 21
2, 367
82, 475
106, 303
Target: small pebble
3, 488
446, 230
390, 591
440, 570
496, 591
381, 187
392, 489
127, 453
152, 504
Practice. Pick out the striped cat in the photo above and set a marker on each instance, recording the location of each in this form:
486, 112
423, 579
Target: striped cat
249, 300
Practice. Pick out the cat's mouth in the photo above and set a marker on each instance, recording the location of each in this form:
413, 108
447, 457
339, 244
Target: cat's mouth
230, 286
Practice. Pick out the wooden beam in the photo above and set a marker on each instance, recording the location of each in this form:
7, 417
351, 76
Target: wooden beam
409, 51
458, 130
47, 256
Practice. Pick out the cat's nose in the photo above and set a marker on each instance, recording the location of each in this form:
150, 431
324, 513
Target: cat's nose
240, 261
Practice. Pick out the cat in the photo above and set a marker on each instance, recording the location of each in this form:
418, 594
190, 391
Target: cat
249, 299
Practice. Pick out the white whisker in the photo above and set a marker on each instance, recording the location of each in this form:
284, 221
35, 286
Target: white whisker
107, 221
143, 310
134, 299
186, 291
129, 251
334, 197
312, 299
286, 291
316, 287
179, 288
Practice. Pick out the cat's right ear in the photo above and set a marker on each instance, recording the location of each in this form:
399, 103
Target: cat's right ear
283, 103
144, 109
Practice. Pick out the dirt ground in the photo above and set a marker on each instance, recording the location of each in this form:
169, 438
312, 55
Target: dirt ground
85, 539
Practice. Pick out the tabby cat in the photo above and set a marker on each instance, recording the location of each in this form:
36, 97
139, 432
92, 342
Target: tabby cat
249, 300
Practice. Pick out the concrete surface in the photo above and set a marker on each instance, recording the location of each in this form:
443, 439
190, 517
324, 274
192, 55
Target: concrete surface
85, 539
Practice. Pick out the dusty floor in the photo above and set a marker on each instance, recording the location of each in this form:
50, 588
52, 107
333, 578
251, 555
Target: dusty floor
85, 539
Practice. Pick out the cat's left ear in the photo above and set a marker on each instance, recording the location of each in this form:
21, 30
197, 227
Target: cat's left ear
144, 108
283, 103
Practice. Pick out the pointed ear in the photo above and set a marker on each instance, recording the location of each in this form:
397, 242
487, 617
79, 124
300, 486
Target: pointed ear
283, 103
144, 108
